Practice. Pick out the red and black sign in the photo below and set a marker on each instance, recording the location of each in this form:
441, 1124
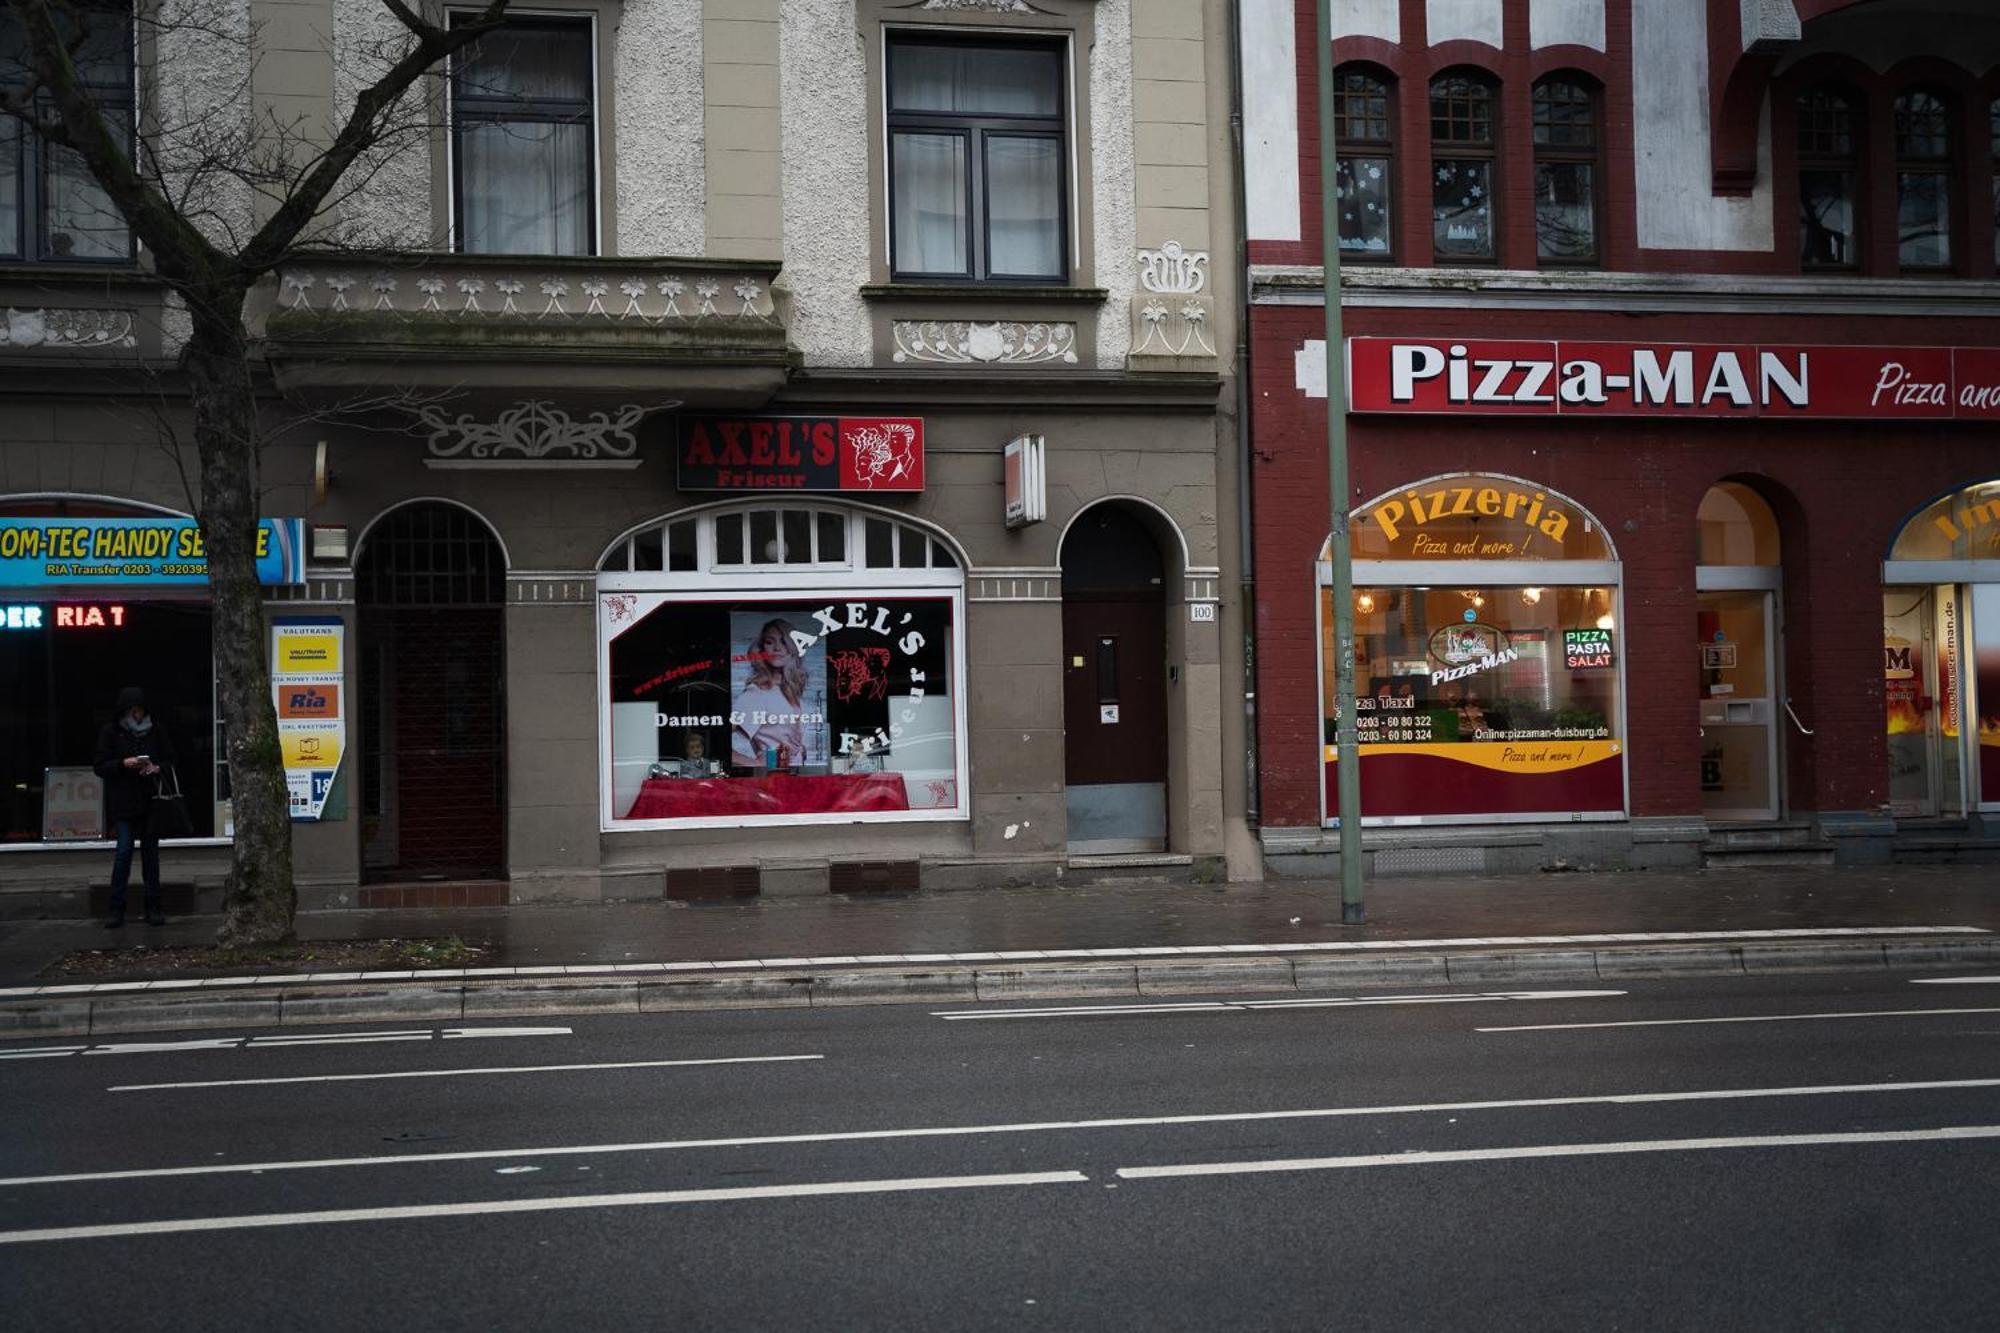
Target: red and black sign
800, 454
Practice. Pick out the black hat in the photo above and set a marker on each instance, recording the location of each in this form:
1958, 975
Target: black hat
129, 698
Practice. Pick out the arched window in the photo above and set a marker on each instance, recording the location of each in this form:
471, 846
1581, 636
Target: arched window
780, 664
1365, 129
1488, 655
1735, 526
1828, 151
1464, 137
1566, 171
1923, 180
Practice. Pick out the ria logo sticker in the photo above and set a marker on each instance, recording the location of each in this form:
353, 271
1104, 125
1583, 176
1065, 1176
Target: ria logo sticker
316, 701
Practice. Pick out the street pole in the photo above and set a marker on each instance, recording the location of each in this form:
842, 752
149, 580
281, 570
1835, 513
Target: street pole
1346, 729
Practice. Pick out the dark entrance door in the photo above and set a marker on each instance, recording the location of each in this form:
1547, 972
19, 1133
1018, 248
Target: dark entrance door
1114, 684
430, 587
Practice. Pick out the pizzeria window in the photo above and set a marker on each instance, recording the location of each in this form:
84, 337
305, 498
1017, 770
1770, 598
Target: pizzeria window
764, 664
1488, 656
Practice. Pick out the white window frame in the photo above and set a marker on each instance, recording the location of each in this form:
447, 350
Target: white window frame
836, 583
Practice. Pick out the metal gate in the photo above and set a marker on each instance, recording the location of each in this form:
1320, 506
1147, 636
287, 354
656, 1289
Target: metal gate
430, 589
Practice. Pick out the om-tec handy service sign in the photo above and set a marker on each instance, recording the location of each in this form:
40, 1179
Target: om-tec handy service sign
127, 552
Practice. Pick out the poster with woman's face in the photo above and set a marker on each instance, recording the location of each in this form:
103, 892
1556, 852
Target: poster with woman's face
778, 716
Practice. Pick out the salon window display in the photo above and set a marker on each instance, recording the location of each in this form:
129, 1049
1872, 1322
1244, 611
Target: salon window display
831, 707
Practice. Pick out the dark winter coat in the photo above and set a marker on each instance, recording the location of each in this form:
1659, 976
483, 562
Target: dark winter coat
127, 793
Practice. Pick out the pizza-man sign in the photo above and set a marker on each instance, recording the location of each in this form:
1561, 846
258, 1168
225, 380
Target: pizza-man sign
800, 453
1443, 376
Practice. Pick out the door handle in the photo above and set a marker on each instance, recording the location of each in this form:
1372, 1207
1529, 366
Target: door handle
1804, 730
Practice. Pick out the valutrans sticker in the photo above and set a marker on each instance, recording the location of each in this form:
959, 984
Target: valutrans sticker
306, 682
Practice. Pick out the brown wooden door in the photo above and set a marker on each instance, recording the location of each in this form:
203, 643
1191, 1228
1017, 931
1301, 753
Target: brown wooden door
1115, 691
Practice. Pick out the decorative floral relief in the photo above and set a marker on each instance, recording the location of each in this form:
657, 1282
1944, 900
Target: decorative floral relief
535, 430
1169, 328
1173, 269
962, 342
990, 6
299, 292
69, 328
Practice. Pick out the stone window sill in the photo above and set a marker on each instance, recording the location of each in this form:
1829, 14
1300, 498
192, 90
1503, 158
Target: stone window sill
960, 292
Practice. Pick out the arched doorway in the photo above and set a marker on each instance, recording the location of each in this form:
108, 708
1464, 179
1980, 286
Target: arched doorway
1738, 579
1941, 657
430, 590
1114, 682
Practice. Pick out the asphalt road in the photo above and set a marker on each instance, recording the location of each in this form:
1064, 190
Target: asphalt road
1477, 1163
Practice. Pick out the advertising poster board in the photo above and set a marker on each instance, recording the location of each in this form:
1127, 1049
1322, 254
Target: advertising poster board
72, 804
306, 685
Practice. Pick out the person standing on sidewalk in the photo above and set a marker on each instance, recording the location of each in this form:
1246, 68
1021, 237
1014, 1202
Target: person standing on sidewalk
131, 751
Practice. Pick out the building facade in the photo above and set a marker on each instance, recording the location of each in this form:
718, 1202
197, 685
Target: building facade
1672, 380
744, 446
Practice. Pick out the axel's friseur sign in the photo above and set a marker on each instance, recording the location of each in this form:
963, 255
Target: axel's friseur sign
799, 453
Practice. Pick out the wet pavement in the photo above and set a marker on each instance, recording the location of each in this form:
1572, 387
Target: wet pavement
1122, 915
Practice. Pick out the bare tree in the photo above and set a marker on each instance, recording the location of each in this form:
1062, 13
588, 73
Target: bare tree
217, 202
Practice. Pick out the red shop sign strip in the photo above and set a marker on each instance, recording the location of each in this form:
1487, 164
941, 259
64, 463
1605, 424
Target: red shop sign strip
799, 453
1474, 377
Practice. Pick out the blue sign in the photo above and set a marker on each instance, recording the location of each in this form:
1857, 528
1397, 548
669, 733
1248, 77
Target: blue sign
134, 552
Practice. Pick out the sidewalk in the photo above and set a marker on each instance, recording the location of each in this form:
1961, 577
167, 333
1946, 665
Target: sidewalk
1029, 943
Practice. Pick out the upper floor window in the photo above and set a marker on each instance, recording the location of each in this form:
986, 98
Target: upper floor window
1364, 129
1828, 155
1463, 136
524, 140
1923, 180
1995, 114
51, 208
977, 160
1566, 182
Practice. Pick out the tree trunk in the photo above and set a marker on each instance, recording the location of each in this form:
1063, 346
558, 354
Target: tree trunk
259, 899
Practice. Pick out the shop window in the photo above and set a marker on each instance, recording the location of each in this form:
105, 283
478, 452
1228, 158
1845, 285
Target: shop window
1365, 125
524, 140
1923, 180
1964, 525
807, 667
1464, 205
1828, 153
1488, 656
1735, 526
1994, 114
1566, 171
51, 208
977, 159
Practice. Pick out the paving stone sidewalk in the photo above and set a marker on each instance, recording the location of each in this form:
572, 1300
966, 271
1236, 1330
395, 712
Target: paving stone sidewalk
1120, 915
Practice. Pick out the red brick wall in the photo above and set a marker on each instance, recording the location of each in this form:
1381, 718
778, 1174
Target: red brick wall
1841, 492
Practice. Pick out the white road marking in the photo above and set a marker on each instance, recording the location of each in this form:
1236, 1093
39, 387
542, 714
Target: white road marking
277, 1041
457, 1073
1958, 1132
1955, 981
645, 1199
1741, 1018
1212, 1006
1033, 955
1030, 1127
454, 1034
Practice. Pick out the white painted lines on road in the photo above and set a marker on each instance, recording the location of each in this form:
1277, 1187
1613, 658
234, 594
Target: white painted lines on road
1737, 1018
1955, 981
489, 1207
280, 1041
1030, 1127
1024, 956
1222, 1006
458, 1073
1548, 1150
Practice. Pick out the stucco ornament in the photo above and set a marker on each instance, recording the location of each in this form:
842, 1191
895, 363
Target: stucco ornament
964, 342
69, 329
563, 297
534, 430
987, 6
1173, 269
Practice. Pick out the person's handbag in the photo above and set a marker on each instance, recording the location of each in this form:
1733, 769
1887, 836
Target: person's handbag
170, 812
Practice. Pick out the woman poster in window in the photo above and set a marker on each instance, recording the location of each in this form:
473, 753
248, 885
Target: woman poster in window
778, 720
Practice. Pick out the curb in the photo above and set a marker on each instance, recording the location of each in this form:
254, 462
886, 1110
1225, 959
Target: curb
343, 1002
